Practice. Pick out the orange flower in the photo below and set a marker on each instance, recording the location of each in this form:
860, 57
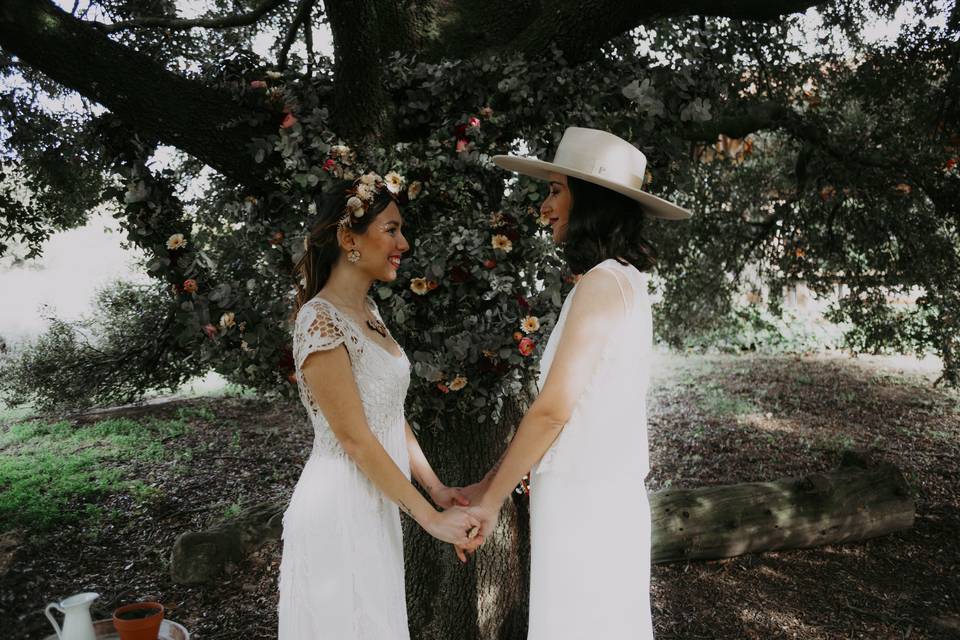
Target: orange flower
289, 121
903, 189
526, 346
190, 285
431, 285
458, 383
517, 336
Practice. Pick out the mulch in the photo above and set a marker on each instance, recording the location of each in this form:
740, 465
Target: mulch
713, 420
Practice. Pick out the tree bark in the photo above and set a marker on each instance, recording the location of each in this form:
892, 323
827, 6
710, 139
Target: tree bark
855, 502
486, 598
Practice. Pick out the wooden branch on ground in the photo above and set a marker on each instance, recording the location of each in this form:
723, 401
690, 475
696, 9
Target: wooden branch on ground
858, 501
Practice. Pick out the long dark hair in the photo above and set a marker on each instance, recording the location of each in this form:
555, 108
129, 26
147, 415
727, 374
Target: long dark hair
604, 224
323, 250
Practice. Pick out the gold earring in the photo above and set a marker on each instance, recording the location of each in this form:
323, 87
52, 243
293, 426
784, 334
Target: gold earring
353, 256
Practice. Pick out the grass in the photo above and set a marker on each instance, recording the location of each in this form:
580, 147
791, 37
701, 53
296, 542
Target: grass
52, 473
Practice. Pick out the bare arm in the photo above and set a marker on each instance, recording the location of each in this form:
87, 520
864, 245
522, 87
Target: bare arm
424, 474
330, 379
597, 308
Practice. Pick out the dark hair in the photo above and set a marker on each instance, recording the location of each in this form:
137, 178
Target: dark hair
323, 250
604, 224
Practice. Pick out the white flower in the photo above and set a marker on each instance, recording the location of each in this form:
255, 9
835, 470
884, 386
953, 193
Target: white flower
394, 182
419, 286
370, 179
227, 320
355, 207
176, 241
274, 75
501, 243
457, 383
543, 220
245, 347
530, 324
415, 188
343, 153
366, 192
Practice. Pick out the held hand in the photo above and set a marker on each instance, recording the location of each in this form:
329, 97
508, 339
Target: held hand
446, 497
487, 515
453, 525
474, 492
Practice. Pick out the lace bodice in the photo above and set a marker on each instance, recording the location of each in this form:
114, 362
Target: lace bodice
382, 378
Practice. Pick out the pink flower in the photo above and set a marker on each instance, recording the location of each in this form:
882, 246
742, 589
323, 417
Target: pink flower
474, 121
462, 144
526, 346
443, 388
329, 165
258, 84
190, 286
210, 330
289, 121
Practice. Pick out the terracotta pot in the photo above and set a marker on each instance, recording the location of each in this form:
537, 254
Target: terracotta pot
138, 621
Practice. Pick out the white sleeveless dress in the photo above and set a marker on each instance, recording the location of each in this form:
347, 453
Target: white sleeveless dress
341, 574
589, 514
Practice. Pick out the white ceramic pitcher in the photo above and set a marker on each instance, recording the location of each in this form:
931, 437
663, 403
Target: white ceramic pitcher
77, 624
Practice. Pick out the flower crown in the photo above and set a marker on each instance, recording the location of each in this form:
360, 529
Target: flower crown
364, 191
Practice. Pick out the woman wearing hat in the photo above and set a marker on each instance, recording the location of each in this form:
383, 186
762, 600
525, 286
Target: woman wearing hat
585, 436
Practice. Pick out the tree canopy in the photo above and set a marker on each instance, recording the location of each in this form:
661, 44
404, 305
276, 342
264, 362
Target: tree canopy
834, 165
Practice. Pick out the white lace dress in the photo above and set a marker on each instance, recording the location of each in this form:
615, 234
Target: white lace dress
589, 515
341, 574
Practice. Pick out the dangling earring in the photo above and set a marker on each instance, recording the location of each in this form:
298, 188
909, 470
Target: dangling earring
353, 256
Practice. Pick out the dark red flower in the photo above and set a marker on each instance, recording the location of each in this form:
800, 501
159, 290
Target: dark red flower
522, 302
329, 165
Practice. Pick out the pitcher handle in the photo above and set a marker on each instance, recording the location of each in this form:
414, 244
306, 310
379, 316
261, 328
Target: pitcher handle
53, 621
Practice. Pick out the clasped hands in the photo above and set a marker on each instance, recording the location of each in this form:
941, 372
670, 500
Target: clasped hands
469, 499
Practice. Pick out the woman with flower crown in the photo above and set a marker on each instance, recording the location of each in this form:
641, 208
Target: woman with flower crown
341, 574
585, 436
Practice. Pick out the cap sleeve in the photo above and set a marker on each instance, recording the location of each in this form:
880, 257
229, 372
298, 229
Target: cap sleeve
318, 328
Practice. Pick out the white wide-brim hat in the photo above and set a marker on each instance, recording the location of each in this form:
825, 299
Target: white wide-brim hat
601, 158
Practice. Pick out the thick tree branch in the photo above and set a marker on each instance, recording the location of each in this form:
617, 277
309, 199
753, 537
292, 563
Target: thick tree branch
224, 22
577, 27
187, 114
302, 17
360, 99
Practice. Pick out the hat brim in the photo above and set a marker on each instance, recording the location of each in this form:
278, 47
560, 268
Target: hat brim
541, 170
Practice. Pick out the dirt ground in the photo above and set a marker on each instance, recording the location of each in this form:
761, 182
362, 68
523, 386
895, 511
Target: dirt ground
713, 420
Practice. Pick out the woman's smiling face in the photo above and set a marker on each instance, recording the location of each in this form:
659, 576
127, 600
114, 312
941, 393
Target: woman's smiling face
556, 207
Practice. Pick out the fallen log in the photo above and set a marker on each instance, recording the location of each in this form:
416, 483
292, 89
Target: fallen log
860, 500
857, 501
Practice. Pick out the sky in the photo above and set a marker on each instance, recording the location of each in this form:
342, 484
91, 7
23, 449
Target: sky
75, 263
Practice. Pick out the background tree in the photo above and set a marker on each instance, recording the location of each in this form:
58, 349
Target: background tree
836, 166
